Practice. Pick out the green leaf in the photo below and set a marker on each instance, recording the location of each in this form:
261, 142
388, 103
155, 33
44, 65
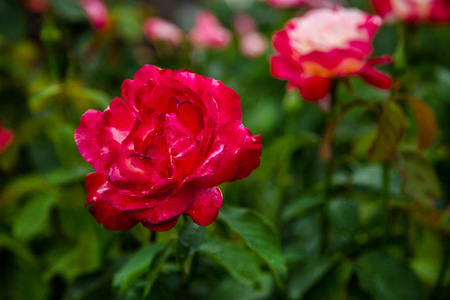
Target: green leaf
259, 235
334, 285
300, 206
156, 268
228, 289
343, 218
41, 99
234, 259
137, 265
420, 179
190, 238
391, 127
307, 276
21, 251
387, 278
33, 216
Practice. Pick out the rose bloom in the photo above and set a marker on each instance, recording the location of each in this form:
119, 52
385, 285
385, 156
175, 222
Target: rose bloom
208, 33
6, 137
413, 10
163, 149
97, 13
324, 44
161, 30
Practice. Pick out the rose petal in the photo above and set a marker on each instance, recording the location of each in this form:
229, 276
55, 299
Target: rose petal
110, 217
86, 138
162, 226
314, 88
205, 207
376, 78
248, 156
169, 208
99, 189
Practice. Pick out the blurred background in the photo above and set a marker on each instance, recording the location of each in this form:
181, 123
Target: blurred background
59, 58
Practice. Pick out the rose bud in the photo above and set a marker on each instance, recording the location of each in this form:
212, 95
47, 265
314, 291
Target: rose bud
163, 148
161, 30
324, 44
208, 33
413, 10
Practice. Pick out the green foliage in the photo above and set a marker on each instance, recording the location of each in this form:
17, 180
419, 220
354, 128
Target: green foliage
385, 277
259, 236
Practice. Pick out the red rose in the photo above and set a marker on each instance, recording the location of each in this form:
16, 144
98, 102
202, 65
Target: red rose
164, 149
413, 10
324, 44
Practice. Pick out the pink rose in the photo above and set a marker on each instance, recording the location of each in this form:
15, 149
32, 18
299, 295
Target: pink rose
253, 44
413, 10
208, 33
97, 13
295, 3
163, 149
324, 44
6, 137
159, 29
244, 23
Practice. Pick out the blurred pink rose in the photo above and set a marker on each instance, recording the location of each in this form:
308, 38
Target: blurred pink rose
208, 33
6, 137
253, 44
37, 6
97, 13
295, 3
159, 29
413, 10
324, 44
244, 23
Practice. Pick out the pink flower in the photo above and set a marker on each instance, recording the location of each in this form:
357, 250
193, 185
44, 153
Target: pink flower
324, 44
244, 23
295, 3
158, 29
253, 44
208, 33
163, 149
6, 137
413, 10
97, 13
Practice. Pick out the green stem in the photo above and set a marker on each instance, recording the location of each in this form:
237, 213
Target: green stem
386, 197
153, 236
329, 170
443, 270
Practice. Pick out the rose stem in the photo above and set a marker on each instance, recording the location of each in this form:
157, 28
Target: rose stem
329, 169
